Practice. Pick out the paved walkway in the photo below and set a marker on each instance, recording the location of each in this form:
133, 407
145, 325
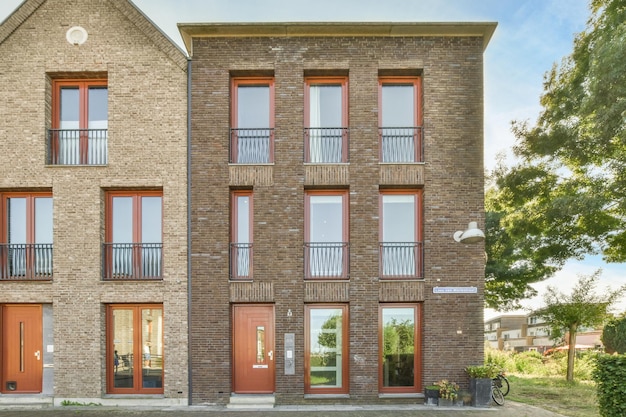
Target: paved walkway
510, 409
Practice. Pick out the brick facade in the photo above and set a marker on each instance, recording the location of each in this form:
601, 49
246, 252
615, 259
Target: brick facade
147, 144
449, 60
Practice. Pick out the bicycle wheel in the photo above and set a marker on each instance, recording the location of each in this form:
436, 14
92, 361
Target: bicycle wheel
504, 385
497, 396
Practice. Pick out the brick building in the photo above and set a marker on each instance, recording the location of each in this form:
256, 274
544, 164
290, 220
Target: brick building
93, 206
331, 165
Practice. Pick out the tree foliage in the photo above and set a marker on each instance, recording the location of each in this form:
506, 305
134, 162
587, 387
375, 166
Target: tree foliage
614, 335
566, 313
566, 195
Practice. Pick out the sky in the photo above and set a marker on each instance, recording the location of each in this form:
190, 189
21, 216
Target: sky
532, 36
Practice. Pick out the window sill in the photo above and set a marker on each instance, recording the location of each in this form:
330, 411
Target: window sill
401, 395
234, 164
324, 396
402, 163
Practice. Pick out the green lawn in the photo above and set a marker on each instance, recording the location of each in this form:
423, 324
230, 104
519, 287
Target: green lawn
577, 399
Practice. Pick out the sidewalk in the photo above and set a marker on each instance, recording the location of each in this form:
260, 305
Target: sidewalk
510, 409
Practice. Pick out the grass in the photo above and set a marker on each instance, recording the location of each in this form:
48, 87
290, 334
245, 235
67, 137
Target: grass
576, 399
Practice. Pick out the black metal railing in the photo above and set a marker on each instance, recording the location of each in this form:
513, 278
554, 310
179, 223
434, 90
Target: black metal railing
132, 261
326, 259
251, 146
77, 147
326, 145
26, 261
401, 260
241, 261
401, 144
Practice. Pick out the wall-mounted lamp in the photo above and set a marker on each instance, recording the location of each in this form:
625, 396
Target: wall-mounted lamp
289, 313
471, 235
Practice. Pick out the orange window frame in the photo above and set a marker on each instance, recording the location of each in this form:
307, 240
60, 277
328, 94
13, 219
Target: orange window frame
329, 81
345, 350
344, 208
251, 82
417, 349
83, 91
416, 82
136, 196
419, 212
137, 349
30, 213
234, 227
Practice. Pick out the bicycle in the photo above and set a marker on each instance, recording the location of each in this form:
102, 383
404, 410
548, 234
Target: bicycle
502, 382
496, 393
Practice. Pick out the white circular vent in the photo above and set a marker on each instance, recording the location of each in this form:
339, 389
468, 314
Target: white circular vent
76, 35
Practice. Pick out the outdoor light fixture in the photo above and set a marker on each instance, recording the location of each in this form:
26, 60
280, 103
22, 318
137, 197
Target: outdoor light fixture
471, 235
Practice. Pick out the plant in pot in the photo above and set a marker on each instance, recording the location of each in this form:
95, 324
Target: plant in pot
431, 395
448, 392
480, 383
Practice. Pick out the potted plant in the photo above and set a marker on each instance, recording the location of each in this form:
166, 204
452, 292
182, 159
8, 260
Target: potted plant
448, 392
431, 395
480, 383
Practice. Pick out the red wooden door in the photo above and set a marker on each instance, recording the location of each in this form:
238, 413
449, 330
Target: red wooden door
253, 349
22, 354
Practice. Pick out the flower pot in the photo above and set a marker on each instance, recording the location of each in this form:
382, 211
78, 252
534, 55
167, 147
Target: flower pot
431, 396
446, 402
480, 389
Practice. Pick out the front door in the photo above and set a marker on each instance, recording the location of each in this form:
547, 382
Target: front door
253, 349
22, 340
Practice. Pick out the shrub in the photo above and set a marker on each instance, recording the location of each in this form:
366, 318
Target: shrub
610, 374
614, 335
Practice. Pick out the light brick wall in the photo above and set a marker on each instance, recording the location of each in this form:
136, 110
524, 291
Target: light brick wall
452, 180
147, 139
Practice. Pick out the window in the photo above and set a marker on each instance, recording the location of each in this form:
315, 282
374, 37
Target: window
326, 120
399, 120
80, 123
241, 235
26, 236
133, 248
326, 235
252, 121
400, 230
326, 361
399, 336
134, 349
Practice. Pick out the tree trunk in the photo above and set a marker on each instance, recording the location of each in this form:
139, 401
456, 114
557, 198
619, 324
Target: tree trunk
571, 353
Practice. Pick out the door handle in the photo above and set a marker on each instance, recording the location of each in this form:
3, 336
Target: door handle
271, 355
38, 354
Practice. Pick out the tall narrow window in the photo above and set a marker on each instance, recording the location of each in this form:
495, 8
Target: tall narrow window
326, 340
326, 244
400, 230
80, 122
400, 119
135, 349
241, 235
252, 121
133, 247
400, 351
26, 236
326, 120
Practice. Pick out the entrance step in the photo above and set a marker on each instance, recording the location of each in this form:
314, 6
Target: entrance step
251, 401
25, 401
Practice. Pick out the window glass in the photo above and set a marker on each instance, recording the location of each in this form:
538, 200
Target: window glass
43, 220
122, 220
326, 218
98, 108
325, 106
398, 105
69, 108
243, 219
17, 220
253, 107
326, 349
398, 346
151, 219
398, 218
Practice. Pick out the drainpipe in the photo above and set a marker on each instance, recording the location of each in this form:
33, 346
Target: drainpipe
189, 370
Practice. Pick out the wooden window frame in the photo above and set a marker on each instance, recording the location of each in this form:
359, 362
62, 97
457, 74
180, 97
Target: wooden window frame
137, 350
417, 352
234, 229
345, 219
418, 232
345, 351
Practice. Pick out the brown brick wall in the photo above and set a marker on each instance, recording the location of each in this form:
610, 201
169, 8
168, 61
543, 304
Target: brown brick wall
147, 149
451, 177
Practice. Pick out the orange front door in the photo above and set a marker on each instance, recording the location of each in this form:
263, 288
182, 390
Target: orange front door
22, 355
253, 349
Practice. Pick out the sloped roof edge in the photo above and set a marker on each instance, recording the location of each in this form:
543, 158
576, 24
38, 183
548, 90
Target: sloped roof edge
19, 16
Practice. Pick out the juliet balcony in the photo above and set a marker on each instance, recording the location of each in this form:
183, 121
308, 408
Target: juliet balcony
77, 147
132, 261
26, 262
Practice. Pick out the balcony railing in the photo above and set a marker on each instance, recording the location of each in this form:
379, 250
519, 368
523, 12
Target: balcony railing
326, 260
132, 261
241, 261
30, 262
251, 146
401, 260
77, 147
401, 144
326, 145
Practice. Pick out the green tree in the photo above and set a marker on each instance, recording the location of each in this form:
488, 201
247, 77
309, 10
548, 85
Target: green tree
614, 335
566, 313
565, 197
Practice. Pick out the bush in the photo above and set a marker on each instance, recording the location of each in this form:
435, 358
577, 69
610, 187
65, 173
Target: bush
610, 374
529, 363
614, 335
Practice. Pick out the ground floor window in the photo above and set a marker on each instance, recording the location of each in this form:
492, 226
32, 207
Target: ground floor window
326, 358
399, 365
135, 348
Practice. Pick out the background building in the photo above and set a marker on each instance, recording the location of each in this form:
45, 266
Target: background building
93, 207
331, 165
